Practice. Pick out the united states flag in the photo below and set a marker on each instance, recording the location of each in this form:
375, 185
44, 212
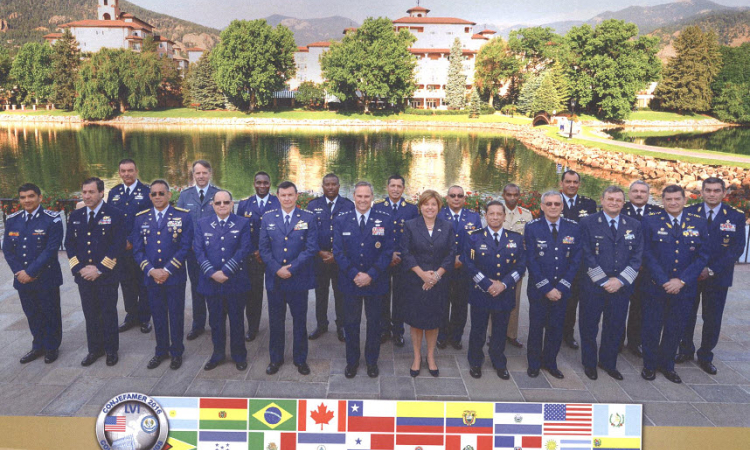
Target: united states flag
115, 424
572, 419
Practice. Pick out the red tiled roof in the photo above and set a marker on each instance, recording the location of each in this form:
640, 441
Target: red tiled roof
487, 31
104, 24
435, 20
195, 49
163, 39
319, 44
52, 36
480, 36
441, 50
303, 49
179, 58
134, 38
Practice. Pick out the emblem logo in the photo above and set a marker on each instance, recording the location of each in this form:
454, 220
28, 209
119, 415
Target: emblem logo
597, 442
149, 424
132, 420
377, 245
616, 420
222, 414
468, 447
469, 417
518, 418
272, 446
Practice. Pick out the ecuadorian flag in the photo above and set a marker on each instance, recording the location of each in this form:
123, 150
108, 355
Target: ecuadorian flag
223, 414
469, 418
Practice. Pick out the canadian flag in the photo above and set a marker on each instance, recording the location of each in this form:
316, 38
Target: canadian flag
322, 416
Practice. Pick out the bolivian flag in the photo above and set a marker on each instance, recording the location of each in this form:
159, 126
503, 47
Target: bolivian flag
223, 414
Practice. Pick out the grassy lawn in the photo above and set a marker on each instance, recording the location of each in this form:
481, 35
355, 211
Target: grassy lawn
656, 116
40, 112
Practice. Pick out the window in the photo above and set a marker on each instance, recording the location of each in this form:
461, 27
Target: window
431, 103
107, 16
467, 30
106, 2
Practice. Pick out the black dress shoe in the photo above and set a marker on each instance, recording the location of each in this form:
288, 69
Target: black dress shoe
340, 335
571, 342
126, 325
91, 359
647, 374
414, 373
350, 371
555, 372
385, 336
591, 373
50, 356
176, 362
242, 365
32, 355
514, 342
398, 340
637, 350
614, 373
249, 337
475, 372
194, 334
672, 376
112, 359
273, 368
533, 373
373, 371
503, 373
705, 365
155, 361
456, 344
303, 368
441, 344
320, 331
681, 358
145, 327
212, 364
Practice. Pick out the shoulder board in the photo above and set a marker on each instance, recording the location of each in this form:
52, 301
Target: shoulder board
181, 209
143, 212
515, 234
351, 211
51, 213
583, 197
522, 209
654, 213
565, 219
270, 211
694, 215
306, 210
379, 201
411, 202
736, 209
478, 230
247, 198
381, 213
537, 220
15, 213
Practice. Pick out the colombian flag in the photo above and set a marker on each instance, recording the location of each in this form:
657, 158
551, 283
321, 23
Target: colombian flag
223, 414
469, 418
420, 417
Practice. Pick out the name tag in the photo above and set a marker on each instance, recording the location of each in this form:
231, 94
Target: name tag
569, 240
728, 227
106, 220
300, 226
483, 247
662, 232
378, 231
235, 231
346, 233
139, 197
208, 234
629, 237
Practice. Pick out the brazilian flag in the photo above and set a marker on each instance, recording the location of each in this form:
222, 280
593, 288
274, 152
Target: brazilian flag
278, 415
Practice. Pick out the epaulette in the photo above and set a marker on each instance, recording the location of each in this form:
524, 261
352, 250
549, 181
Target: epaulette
181, 209
306, 210
694, 215
51, 213
536, 220
654, 213
143, 212
343, 213
566, 219
270, 211
382, 213
478, 230
15, 214
411, 202
247, 198
379, 201
736, 209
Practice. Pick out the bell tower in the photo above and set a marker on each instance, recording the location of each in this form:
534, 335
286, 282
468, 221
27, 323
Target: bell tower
109, 10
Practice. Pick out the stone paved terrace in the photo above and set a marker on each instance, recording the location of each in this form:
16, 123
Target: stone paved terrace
67, 389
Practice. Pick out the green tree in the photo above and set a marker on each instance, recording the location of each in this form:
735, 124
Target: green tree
686, 83
731, 89
608, 65
536, 47
32, 71
495, 64
200, 88
546, 98
455, 90
372, 62
5, 65
66, 60
475, 105
252, 61
528, 93
310, 94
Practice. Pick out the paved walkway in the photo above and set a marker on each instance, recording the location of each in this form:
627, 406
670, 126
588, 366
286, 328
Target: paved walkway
67, 389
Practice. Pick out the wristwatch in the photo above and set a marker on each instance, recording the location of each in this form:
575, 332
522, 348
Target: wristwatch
710, 272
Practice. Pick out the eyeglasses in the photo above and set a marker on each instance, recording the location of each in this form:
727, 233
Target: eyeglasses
553, 204
225, 203
158, 194
456, 195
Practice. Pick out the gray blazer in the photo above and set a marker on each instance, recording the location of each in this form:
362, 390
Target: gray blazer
190, 200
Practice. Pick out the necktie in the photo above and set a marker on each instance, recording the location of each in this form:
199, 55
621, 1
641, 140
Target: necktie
262, 206
554, 232
127, 192
676, 228
639, 213
710, 216
612, 227
497, 239
362, 223
202, 197
158, 219
455, 218
570, 202
28, 217
330, 206
221, 224
395, 209
92, 218
287, 221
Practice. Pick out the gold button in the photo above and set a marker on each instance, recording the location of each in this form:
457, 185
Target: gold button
158, 251
158, 242
676, 260
89, 233
284, 249
498, 255
158, 232
89, 251
285, 261
91, 260
285, 238
677, 251
88, 243
498, 265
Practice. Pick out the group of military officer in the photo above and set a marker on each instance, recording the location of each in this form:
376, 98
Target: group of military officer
630, 260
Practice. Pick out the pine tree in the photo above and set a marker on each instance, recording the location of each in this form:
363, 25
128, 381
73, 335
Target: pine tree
66, 59
200, 88
455, 90
528, 92
546, 98
475, 107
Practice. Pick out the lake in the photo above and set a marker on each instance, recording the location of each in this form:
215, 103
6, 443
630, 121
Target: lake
728, 140
59, 157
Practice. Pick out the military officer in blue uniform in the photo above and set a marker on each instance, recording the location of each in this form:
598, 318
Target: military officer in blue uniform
253, 208
198, 199
222, 242
637, 208
553, 257
95, 243
288, 245
32, 240
459, 285
363, 248
612, 251
162, 237
131, 197
726, 231
495, 261
326, 208
575, 207
676, 250
391, 320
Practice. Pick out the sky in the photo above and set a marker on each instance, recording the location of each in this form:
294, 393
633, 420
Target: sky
218, 13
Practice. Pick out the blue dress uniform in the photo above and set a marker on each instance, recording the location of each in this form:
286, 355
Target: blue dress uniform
727, 235
607, 255
164, 245
459, 285
32, 246
369, 251
392, 318
327, 273
281, 245
101, 244
256, 271
552, 264
485, 261
224, 248
190, 200
582, 207
133, 290
670, 252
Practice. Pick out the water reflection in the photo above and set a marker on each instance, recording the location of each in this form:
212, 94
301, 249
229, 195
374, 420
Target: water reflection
59, 157
727, 140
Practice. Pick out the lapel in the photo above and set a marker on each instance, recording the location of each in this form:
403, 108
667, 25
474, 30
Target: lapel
166, 215
624, 223
368, 227
422, 227
296, 217
336, 207
547, 232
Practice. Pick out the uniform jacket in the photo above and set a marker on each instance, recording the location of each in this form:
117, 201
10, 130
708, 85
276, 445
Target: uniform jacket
648, 208
369, 252
103, 245
165, 246
249, 208
727, 236
486, 261
406, 211
224, 249
296, 246
516, 220
468, 221
582, 207
33, 247
552, 265
606, 256
319, 207
190, 200
132, 204
418, 248
670, 253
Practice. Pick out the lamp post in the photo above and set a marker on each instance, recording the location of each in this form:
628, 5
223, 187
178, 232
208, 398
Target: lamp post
572, 112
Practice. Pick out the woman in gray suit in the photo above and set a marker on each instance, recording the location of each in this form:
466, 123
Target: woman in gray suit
428, 250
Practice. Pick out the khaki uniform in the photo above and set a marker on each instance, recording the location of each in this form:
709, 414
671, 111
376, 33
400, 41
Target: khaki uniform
516, 220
